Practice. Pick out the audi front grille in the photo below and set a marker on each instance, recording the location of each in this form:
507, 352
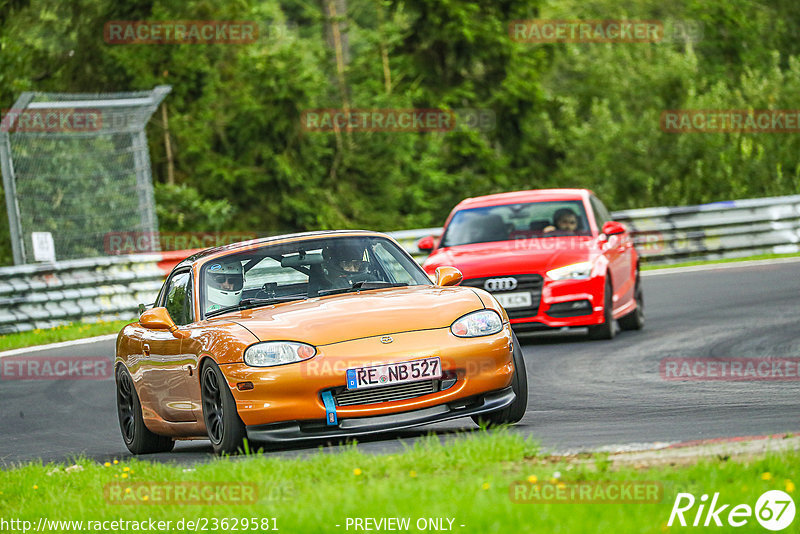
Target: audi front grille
532, 283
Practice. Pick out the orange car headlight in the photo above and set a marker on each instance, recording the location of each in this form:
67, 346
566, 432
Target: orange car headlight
478, 323
271, 353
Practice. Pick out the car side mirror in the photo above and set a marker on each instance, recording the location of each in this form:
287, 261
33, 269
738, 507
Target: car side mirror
613, 228
159, 319
426, 244
448, 276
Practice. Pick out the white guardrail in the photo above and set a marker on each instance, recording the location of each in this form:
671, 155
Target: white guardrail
731, 229
108, 288
90, 290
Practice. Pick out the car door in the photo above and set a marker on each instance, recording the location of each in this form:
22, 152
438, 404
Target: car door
619, 253
168, 369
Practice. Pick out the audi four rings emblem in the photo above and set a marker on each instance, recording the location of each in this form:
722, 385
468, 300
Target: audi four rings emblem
500, 284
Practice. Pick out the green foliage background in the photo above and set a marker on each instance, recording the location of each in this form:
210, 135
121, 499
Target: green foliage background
571, 115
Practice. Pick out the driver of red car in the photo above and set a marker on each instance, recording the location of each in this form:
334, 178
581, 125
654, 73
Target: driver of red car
566, 222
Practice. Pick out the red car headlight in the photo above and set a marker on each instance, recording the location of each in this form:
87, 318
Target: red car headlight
576, 271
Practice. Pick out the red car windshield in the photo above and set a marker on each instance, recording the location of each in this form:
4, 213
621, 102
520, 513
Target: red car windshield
517, 221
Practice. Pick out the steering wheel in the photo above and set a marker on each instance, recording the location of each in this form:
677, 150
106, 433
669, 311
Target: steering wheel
267, 291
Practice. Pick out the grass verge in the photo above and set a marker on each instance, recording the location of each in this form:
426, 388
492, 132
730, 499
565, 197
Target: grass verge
68, 332
466, 479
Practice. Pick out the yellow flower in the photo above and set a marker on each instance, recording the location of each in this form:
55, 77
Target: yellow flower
127, 490
116, 462
116, 476
35, 486
356, 471
124, 475
766, 476
107, 464
533, 479
145, 497
789, 486
561, 485
126, 469
412, 474
553, 480
485, 485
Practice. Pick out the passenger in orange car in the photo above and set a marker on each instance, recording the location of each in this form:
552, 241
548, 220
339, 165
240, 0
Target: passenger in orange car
345, 264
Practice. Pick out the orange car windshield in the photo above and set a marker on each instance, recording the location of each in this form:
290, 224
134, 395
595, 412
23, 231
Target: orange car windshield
307, 269
517, 221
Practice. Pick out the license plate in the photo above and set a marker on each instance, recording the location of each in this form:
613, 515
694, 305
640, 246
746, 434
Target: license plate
520, 299
394, 373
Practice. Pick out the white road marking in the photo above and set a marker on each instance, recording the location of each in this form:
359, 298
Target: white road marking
716, 266
38, 348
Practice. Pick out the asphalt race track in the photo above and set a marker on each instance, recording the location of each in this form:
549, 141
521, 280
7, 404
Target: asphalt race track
583, 394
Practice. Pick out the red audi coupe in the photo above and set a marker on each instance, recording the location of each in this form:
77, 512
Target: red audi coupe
553, 258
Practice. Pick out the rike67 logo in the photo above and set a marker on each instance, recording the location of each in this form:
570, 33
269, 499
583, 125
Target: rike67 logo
774, 510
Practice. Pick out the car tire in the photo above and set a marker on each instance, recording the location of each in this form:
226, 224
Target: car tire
138, 438
606, 329
635, 319
223, 424
516, 410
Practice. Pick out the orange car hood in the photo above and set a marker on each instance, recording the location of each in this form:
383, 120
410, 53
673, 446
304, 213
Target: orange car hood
337, 318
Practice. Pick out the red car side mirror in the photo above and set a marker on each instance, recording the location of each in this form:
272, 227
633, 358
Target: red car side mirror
426, 244
613, 228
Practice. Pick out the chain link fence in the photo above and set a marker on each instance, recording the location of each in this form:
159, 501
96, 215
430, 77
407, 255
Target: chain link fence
76, 167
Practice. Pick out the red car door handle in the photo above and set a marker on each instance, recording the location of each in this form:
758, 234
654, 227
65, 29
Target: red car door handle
146, 349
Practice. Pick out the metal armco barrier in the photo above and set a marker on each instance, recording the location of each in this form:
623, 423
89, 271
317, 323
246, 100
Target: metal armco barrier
48, 295
720, 230
732, 229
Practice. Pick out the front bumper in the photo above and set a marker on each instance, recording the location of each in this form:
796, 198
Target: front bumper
293, 392
557, 295
553, 300
350, 427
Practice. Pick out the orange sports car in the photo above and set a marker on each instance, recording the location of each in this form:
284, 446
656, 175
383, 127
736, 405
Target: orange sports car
308, 336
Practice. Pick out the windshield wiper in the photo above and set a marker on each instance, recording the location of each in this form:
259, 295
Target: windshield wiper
252, 303
362, 286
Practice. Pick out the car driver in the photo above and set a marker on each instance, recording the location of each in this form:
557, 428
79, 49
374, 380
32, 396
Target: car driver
224, 282
566, 222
